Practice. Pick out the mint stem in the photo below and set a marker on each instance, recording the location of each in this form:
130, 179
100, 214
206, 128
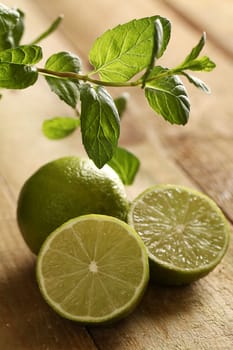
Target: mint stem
86, 78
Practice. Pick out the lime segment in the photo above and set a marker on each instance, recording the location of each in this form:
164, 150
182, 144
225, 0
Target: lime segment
185, 233
93, 269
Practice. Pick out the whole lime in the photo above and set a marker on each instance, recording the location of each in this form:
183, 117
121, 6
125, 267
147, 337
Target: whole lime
63, 189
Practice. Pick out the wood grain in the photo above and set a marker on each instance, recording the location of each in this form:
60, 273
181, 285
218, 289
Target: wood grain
26, 322
210, 163
199, 316
206, 16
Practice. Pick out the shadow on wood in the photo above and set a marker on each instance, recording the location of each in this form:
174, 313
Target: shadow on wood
27, 322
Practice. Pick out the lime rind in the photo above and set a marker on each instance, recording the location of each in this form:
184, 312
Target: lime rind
65, 188
118, 313
169, 273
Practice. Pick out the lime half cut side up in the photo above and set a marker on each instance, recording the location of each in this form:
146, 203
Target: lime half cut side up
93, 269
184, 231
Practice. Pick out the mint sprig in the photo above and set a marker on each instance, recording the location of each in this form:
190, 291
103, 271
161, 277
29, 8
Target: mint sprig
125, 56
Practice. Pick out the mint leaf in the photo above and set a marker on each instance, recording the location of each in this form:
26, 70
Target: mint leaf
163, 35
158, 37
168, 97
5, 41
196, 50
192, 62
59, 127
8, 18
126, 164
200, 64
121, 104
22, 55
16, 76
195, 63
100, 124
66, 90
18, 30
125, 50
64, 62
197, 82
157, 45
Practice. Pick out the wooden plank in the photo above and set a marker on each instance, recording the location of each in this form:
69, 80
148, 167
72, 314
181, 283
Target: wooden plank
211, 16
8, 209
203, 148
194, 317
26, 322
198, 316
159, 320
209, 161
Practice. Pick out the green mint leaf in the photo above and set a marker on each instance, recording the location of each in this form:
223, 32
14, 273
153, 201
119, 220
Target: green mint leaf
168, 97
121, 104
197, 82
17, 76
126, 50
157, 45
8, 18
66, 89
196, 50
48, 31
200, 64
22, 55
59, 127
5, 41
18, 30
158, 38
126, 164
100, 124
192, 62
163, 34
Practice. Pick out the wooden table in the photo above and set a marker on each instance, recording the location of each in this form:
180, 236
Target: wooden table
199, 316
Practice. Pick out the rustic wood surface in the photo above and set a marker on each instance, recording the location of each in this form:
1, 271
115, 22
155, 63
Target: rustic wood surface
199, 316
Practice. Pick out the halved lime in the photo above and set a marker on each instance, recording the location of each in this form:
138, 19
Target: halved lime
93, 269
184, 231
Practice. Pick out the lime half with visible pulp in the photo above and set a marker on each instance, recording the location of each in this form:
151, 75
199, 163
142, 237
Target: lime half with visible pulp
184, 231
93, 269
